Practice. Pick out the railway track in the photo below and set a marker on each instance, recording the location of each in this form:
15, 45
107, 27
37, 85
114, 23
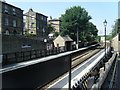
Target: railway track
84, 58
80, 56
76, 61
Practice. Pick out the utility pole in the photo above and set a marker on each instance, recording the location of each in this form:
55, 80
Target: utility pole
77, 38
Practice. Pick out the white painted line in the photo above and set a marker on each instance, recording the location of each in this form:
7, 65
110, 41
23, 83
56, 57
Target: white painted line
87, 69
67, 75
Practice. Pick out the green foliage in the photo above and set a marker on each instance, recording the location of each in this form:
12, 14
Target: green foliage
50, 28
77, 18
116, 28
108, 37
97, 38
56, 34
29, 34
91, 32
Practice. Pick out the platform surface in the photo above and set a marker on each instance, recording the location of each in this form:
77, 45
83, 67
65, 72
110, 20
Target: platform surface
39, 60
79, 72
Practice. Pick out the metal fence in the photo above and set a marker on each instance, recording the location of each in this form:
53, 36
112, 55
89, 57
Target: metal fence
10, 58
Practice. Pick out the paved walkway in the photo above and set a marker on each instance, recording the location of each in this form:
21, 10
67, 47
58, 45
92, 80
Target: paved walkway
117, 82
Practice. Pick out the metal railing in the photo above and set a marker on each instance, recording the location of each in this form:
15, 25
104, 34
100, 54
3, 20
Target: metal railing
16, 57
113, 74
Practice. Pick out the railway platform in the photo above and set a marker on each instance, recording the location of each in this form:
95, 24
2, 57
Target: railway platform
79, 74
37, 72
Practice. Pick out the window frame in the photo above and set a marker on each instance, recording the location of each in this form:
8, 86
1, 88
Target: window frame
14, 23
13, 11
6, 21
6, 8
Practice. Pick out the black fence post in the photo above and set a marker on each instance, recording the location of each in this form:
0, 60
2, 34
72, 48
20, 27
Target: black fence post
49, 51
5, 58
59, 50
45, 52
16, 57
56, 50
30, 54
40, 53
36, 56
21, 56
70, 65
52, 51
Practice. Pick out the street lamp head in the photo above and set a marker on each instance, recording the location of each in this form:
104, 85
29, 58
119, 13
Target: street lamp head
45, 40
105, 23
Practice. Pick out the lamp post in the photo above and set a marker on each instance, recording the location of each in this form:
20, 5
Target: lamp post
45, 42
105, 24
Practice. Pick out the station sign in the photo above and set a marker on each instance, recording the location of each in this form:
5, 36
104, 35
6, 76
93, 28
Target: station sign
26, 46
115, 51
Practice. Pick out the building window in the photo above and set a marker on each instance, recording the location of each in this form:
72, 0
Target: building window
32, 18
32, 25
38, 25
41, 17
6, 22
14, 11
24, 17
7, 32
6, 9
45, 19
14, 23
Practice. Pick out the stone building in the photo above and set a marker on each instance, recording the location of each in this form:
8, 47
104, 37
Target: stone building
35, 23
11, 19
56, 24
63, 42
115, 43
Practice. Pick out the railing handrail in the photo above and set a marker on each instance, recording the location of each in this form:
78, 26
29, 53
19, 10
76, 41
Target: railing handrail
113, 74
31, 62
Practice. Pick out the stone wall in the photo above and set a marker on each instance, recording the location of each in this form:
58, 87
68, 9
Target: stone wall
12, 43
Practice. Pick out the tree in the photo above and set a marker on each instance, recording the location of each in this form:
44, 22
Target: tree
56, 34
50, 28
116, 28
77, 18
91, 31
